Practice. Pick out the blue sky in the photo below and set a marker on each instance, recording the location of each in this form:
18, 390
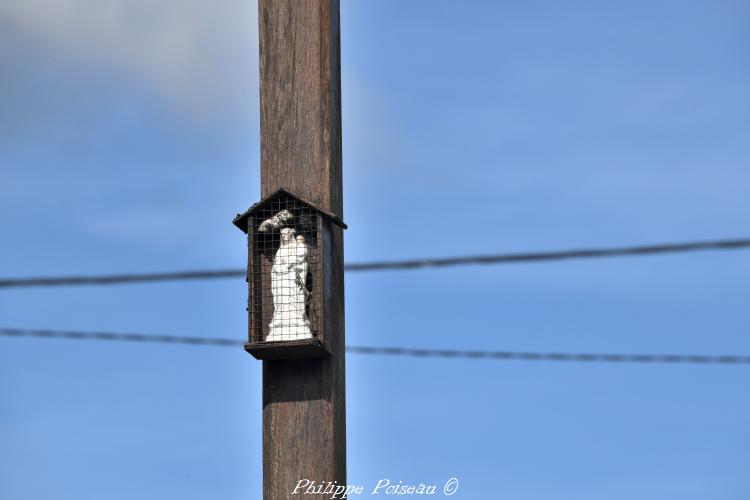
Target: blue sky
129, 139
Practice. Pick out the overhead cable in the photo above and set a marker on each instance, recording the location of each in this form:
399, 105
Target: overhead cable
510, 258
702, 359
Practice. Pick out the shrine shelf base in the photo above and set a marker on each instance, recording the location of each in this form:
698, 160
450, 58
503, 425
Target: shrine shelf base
292, 349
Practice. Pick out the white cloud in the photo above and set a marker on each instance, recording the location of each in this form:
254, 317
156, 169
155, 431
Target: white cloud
200, 54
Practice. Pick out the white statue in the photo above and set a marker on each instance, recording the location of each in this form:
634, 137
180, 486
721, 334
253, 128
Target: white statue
288, 278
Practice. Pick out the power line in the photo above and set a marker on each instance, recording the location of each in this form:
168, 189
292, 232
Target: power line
585, 253
395, 351
529, 257
118, 337
120, 279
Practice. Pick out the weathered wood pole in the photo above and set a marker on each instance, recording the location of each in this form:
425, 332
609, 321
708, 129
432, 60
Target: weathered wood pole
304, 420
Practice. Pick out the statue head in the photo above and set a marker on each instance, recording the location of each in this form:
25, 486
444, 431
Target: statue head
287, 235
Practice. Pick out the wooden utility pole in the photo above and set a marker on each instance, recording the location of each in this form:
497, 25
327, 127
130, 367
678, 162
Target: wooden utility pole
304, 420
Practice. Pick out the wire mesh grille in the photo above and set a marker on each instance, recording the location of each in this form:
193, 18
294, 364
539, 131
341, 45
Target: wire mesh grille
284, 271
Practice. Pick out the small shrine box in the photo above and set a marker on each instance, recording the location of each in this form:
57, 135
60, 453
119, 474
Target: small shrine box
288, 254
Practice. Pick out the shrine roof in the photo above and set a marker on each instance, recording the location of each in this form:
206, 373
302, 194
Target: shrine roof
241, 219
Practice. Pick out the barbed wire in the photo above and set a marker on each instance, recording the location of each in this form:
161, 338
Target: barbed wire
395, 351
527, 257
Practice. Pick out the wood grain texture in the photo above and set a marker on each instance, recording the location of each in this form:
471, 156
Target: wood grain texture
304, 422
300, 106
